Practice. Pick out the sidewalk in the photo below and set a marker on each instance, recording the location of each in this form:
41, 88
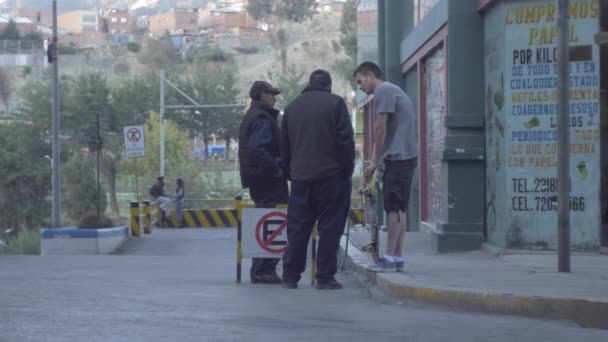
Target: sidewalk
491, 280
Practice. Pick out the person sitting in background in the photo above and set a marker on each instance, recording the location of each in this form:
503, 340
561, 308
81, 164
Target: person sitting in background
157, 191
180, 192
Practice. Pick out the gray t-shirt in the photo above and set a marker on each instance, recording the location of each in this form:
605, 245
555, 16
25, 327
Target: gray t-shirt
401, 140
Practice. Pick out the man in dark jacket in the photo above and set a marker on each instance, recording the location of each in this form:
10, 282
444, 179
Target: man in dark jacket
259, 161
318, 150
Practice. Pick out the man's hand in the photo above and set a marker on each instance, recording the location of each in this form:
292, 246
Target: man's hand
368, 173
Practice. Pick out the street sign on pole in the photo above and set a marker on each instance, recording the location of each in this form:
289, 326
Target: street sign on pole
134, 141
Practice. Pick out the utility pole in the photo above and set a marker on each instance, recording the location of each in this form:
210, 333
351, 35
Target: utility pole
97, 152
563, 137
162, 123
56, 160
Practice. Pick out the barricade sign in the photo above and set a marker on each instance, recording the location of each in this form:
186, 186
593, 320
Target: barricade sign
264, 232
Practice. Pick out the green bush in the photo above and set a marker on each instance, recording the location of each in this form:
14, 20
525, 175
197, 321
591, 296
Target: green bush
27, 71
66, 50
80, 188
122, 68
27, 242
89, 220
133, 47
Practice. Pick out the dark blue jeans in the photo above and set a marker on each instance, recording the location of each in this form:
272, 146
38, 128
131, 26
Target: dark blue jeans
271, 192
325, 202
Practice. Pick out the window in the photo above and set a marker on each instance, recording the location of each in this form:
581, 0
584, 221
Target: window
113, 31
114, 19
123, 20
89, 18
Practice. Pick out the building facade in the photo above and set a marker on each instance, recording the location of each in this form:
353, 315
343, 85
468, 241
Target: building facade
39, 17
225, 19
175, 19
79, 21
117, 24
482, 74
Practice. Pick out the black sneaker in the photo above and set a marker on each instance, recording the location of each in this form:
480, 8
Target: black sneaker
331, 284
267, 278
289, 284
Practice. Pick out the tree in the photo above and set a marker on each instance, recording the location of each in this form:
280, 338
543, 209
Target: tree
177, 148
132, 100
89, 95
6, 90
25, 177
348, 29
276, 13
229, 119
10, 32
295, 10
36, 106
159, 54
80, 188
348, 41
291, 84
32, 36
210, 82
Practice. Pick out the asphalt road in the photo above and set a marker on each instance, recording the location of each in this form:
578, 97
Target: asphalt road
179, 285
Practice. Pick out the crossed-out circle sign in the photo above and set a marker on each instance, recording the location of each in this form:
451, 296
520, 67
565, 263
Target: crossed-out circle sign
133, 135
266, 236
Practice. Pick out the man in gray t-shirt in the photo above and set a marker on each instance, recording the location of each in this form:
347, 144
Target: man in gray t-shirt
395, 141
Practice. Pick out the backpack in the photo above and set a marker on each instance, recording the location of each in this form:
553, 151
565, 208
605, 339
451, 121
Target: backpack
153, 192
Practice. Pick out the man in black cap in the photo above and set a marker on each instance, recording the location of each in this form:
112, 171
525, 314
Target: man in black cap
318, 151
259, 162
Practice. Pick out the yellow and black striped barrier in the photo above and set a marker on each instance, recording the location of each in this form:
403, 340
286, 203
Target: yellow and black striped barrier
225, 218
212, 218
147, 218
238, 201
355, 217
135, 222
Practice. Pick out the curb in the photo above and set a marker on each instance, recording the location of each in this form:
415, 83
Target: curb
587, 313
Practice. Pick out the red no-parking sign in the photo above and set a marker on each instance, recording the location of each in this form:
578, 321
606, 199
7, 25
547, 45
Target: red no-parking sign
134, 141
264, 232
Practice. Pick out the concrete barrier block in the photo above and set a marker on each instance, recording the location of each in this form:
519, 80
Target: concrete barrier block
71, 240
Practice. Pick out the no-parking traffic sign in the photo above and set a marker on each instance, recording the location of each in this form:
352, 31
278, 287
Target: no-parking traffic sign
264, 232
134, 141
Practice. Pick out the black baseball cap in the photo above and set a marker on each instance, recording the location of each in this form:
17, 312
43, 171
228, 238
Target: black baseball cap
260, 87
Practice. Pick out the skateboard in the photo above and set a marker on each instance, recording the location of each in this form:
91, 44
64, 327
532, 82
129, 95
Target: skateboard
368, 196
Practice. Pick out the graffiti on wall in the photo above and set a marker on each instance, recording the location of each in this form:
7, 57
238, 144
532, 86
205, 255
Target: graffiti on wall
530, 101
436, 133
